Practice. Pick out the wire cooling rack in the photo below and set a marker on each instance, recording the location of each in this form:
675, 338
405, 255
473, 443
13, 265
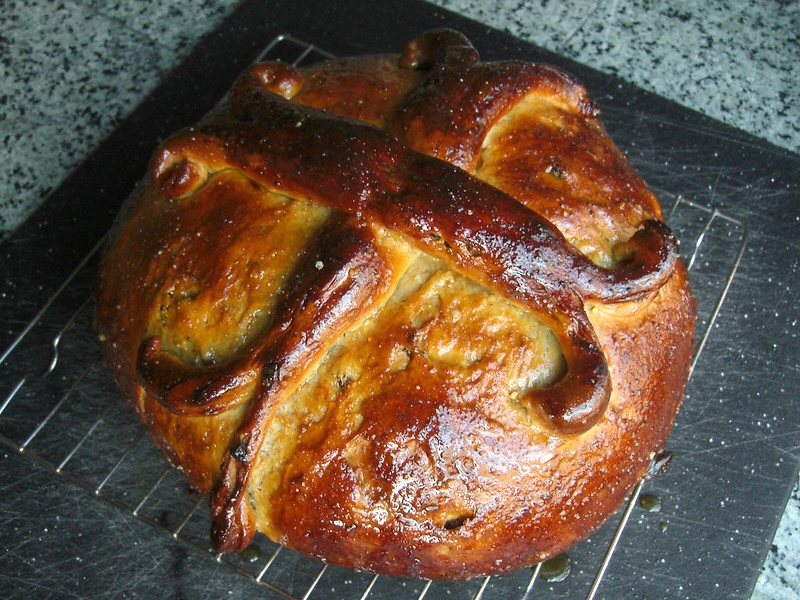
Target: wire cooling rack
59, 408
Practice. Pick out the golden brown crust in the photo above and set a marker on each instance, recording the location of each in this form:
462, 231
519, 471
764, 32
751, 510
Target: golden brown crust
413, 314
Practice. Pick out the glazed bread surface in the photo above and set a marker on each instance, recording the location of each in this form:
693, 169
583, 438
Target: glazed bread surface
414, 314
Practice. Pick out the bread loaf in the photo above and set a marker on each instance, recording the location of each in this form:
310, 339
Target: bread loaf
414, 314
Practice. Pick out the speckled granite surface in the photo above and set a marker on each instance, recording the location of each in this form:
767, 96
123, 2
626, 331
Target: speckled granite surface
71, 71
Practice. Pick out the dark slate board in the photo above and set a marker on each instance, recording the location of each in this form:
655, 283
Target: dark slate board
735, 445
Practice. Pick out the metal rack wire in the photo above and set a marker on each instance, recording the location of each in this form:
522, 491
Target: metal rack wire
58, 407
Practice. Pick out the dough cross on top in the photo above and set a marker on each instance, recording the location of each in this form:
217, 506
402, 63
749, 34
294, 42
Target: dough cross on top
411, 182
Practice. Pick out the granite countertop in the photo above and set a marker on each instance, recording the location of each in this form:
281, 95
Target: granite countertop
71, 71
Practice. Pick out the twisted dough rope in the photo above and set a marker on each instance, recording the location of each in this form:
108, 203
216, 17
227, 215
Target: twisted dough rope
404, 182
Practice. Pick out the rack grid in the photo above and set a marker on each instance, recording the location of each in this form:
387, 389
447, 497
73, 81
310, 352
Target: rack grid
60, 408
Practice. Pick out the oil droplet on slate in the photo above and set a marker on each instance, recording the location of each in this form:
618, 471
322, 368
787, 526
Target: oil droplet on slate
250, 554
650, 502
556, 569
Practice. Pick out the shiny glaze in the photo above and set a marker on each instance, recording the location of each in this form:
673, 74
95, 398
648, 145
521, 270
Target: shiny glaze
398, 156
473, 226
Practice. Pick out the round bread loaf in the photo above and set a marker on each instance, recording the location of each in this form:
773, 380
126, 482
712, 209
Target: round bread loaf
413, 314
